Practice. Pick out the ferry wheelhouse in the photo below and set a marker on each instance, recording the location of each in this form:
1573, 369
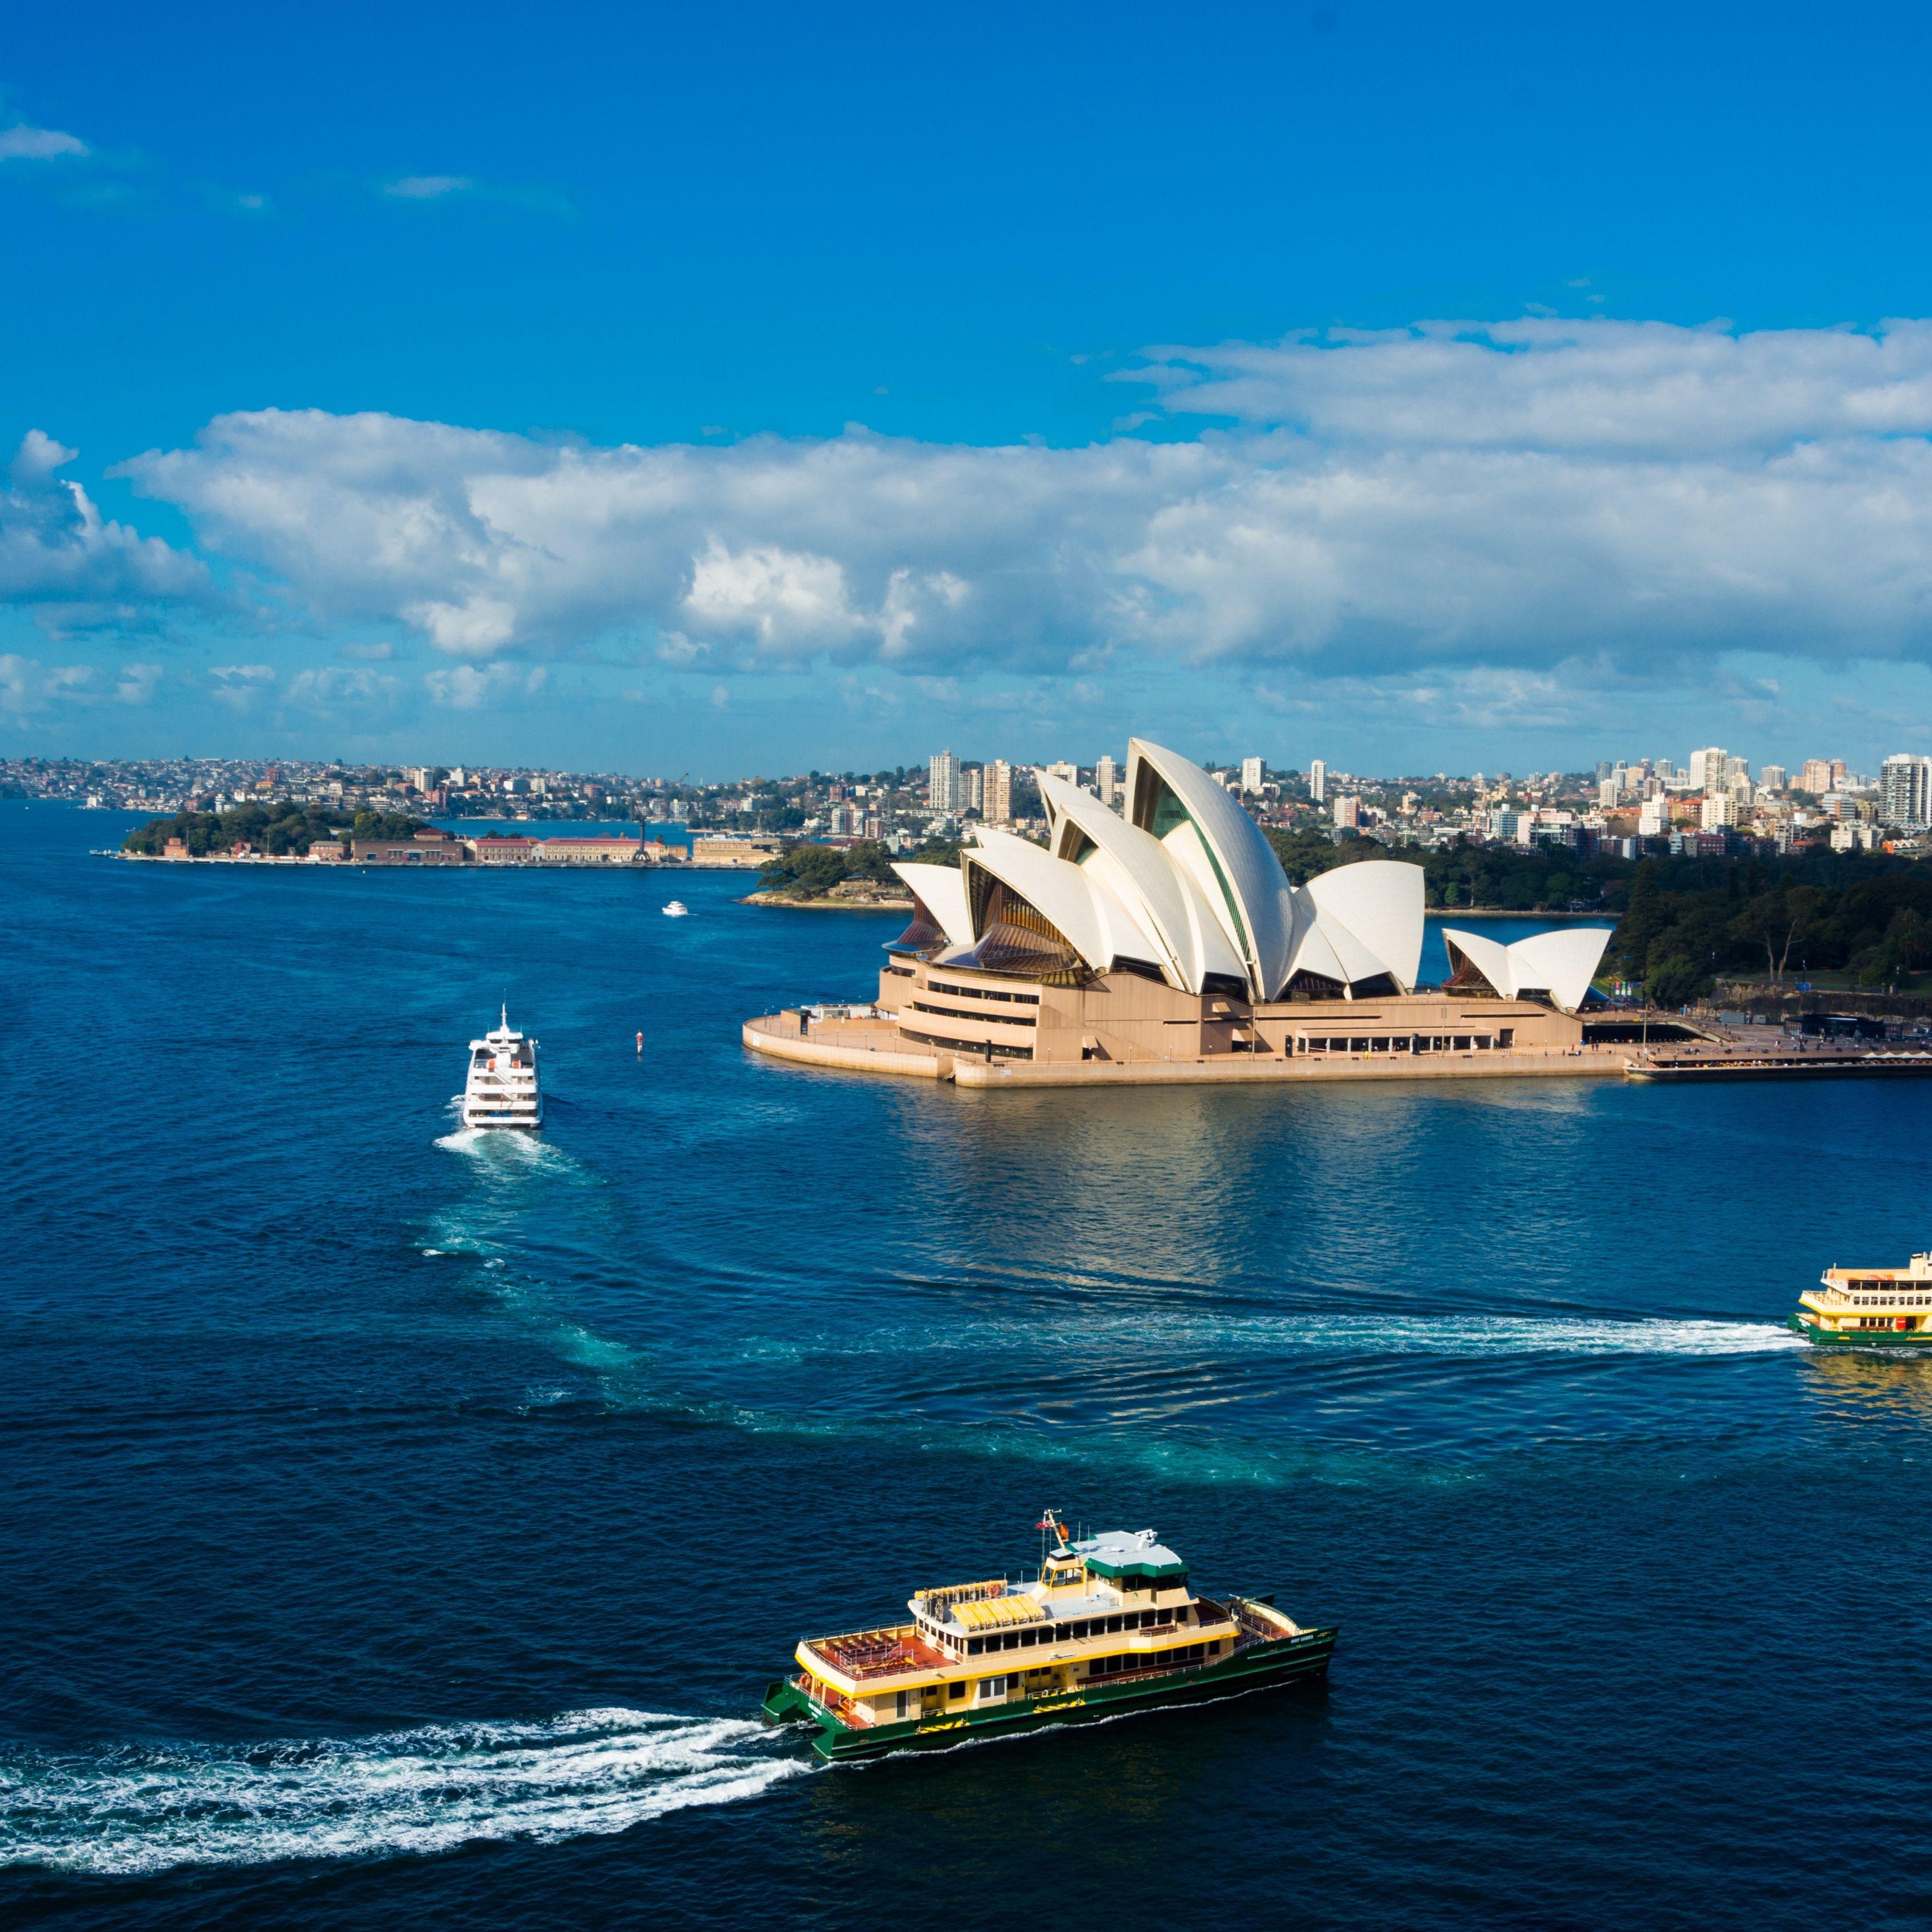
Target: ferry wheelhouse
1110, 1623
1869, 1308
502, 1089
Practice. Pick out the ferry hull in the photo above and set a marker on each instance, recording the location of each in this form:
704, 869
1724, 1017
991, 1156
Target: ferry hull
1888, 1338
1254, 1668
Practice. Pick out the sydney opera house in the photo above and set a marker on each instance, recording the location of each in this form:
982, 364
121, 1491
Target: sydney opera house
1165, 941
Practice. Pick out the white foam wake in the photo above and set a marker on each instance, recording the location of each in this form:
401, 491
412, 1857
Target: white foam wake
144, 1809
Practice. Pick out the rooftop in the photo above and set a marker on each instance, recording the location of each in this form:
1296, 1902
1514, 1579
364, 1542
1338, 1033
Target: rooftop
1123, 1552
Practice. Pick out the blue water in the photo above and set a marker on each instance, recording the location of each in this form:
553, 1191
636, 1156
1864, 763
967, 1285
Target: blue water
399, 1527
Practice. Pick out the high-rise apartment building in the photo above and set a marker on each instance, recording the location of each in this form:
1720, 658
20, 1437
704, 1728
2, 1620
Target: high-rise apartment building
1737, 768
1707, 768
1318, 780
1773, 778
942, 773
1348, 811
996, 805
1837, 774
1718, 810
1653, 820
1816, 776
1905, 790
1251, 777
1608, 792
1105, 779
973, 790
1070, 773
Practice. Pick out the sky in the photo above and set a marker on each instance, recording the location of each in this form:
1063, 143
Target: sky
754, 389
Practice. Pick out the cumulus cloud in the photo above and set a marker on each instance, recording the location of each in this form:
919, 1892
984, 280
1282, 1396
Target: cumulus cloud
55, 547
1508, 495
1628, 388
22, 143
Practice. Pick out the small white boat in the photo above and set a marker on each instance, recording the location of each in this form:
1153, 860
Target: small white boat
503, 1089
677, 909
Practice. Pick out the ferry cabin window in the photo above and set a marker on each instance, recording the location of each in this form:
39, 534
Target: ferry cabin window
959, 1690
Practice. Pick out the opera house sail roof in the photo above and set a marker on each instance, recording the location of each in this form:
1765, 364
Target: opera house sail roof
1184, 889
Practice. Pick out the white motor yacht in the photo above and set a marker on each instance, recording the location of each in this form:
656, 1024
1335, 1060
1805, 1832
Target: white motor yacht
502, 1090
677, 909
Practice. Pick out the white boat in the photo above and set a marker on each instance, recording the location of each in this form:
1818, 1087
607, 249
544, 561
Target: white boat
502, 1090
677, 909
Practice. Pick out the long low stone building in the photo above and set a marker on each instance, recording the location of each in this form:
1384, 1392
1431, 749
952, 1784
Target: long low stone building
1168, 943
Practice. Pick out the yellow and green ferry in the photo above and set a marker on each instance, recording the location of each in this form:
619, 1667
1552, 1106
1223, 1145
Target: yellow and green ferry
1109, 1625
1869, 1308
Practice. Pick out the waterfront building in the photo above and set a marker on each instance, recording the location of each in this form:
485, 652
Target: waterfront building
1318, 780
734, 850
1168, 936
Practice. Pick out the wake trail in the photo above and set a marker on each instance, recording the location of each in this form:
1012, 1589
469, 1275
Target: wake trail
141, 1809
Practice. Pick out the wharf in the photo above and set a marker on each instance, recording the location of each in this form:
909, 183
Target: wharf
1695, 1068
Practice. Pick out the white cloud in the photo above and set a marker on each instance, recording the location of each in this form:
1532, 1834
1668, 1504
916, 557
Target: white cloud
1511, 495
137, 682
427, 187
1646, 387
27, 685
22, 143
238, 685
468, 687
55, 547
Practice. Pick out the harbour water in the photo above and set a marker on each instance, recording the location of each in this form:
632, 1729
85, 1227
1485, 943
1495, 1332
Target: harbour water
402, 1524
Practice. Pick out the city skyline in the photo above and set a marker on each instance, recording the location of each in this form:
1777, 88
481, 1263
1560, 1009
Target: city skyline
581, 438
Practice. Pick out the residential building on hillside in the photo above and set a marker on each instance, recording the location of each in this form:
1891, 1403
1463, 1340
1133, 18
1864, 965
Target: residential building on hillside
1105, 779
1773, 778
1905, 791
1251, 777
1708, 768
1816, 776
998, 809
943, 782
1318, 780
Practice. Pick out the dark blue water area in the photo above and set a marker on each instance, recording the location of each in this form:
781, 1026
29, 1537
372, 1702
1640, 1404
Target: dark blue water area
400, 1527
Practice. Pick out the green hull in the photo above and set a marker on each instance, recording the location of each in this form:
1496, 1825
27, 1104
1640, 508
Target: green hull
1253, 1668
1860, 1338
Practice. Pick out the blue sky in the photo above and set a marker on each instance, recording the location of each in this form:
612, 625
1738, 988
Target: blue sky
747, 388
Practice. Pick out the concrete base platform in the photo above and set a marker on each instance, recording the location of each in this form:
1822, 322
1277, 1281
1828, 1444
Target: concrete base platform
1327, 1070
862, 1045
852, 1048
